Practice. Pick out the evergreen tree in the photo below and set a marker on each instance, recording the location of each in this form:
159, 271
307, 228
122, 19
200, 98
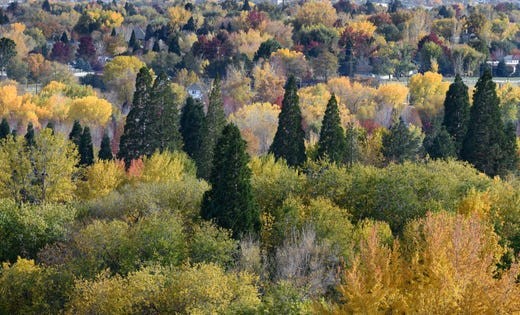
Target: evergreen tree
75, 133
332, 143
86, 149
440, 144
485, 143
190, 26
156, 47
266, 49
133, 44
46, 6
113, 33
456, 112
288, 142
401, 143
134, 141
510, 147
502, 70
50, 125
29, 135
165, 129
5, 130
149, 33
353, 147
174, 47
64, 38
246, 6
105, 150
230, 202
214, 122
192, 122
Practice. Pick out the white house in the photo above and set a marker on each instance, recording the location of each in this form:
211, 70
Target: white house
195, 91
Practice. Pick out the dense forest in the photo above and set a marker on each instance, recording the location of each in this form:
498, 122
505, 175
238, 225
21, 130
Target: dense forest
259, 158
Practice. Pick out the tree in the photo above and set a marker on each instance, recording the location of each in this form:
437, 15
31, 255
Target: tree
485, 144
214, 122
50, 125
456, 112
441, 145
5, 130
402, 143
46, 6
332, 143
230, 202
192, 122
289, 139
134, 141
75, 133
29, 135
246, 6
86, 150
165, 127
133, 43
7, 52
105, 150
353, 144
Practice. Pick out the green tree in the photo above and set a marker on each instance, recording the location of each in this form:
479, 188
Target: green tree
289, 139
75, 133
456, 112
134, 141
230, 202
105, 150
5, 130
192, 121
7, 52
402, 143
214, 123
332, 143
29, 135
266, 49
485, 144
510, 156
86, 149
353, 144
441, 145
50, 125
246, 6
133, 43
165, 128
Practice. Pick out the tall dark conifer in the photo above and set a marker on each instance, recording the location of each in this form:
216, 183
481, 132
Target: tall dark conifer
192, 122
440, 144
5, 130
165, 128
230, 202
353, 149
213, 124
485, 143
29, 135
289, 140
456, 112
332, 143
401, 144
133, 43
75, 133
86, 149
134, 141
105, 150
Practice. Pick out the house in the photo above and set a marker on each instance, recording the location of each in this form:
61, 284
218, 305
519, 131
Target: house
510, 61
195, 91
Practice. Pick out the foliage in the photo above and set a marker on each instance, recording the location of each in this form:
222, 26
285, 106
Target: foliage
402, 143
332, 144
456, 112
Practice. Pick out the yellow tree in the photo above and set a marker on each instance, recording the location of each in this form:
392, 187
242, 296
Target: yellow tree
120, 74
101, 178
248, 42
316, 12
236, 90
268, 85
427, 93
90, 110
178, 16
287, 62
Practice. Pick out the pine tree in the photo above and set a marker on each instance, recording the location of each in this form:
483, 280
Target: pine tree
46, 6
133, 44
29, 135
485, 143
86, 149
289, 140
134, 141
105, 150
440, 145
401, 143
214, 122
246, 6
64, 38
230, 202
165, 133
353, 147
456, 112
192, 122
113, 33
332, 143
174, 47
190, 26
5, 130
156, 47
510, 147
75, 133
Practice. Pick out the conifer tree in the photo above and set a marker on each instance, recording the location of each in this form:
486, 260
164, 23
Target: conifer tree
230, 201
105, 150
332, 143
190, 26
456, 112
75, 133
156, 46
64, 38
401, 143
86, 149
440, 145
214, 122
165, 129
29, 135
46, 6
353, 147
134, 141
133, 44
5, 130
113, 33
289, 140
192, 122
485, 144
510, 147
246, 6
